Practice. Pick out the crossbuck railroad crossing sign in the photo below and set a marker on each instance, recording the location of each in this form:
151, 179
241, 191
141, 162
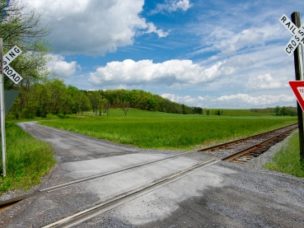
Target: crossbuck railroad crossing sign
298, 34
296, 40
16, 78
297, 30
7, 69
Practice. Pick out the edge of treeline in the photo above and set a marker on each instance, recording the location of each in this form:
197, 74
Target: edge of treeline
54, 97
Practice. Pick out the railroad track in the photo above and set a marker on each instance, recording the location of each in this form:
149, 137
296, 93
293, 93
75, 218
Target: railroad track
6, 203
243, 150
258, 144
101, 207
108, 204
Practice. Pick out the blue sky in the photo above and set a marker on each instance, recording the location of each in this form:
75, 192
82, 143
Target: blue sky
227, 54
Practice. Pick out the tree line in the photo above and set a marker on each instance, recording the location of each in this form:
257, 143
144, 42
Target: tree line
54, 97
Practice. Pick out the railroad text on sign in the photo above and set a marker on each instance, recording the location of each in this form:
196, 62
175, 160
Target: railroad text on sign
298, 34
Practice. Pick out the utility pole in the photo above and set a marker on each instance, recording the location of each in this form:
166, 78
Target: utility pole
298, 63
2, 111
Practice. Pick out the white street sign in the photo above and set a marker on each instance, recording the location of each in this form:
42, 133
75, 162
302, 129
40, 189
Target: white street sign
7, 69
12, 74
298, 34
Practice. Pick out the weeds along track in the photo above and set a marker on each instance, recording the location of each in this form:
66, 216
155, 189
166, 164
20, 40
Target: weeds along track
243, 150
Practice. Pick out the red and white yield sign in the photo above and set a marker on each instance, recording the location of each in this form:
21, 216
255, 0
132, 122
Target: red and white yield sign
7, 69
298, 89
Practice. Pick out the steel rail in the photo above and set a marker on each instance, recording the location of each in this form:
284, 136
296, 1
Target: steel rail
8, 202
115, 201
258, 148
223, 145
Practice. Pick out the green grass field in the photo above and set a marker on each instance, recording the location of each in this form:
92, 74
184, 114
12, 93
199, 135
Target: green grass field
28, 159
162, 130
287, 160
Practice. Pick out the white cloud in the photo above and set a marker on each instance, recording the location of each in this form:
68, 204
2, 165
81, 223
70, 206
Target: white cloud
91, 26
240, 100
170, 73
58, 67
172, 6
259, 69
264, 81
188, 100
257, 100
151, 28
228, 41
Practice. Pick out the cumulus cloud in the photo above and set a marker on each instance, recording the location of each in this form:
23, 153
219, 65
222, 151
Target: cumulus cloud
171, 72
228, 41
151, 28
172, 6
257, 100
91, 26
240, 100
58, 67
264, 81
189, 100
255, 71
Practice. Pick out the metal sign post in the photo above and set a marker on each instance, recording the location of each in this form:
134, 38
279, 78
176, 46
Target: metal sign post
2, 111
295, 46
6, 69
298, 63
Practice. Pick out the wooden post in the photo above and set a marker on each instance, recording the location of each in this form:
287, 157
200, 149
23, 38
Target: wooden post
298, 63
2, 111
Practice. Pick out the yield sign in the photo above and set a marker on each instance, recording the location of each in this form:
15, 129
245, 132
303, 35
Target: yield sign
298, 89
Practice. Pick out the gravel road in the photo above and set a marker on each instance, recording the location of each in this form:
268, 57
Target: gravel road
219, 195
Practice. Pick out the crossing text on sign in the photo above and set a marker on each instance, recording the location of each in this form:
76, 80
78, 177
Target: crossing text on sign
11, 55
298, 34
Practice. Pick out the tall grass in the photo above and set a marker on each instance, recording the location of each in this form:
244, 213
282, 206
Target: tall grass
287, 160
28, 159
163, 130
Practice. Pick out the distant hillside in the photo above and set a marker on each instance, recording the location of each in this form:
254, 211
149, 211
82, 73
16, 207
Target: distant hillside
139, 99
147, 101
54, 97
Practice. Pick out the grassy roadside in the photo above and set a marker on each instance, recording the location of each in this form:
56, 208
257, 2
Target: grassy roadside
28, 159
167, 131
287, 160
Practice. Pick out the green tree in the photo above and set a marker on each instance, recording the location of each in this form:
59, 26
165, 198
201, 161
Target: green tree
58, 97
23, 30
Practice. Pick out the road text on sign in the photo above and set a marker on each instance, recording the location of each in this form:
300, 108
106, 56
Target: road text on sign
297, 33
12, 74
7, 69
298, 90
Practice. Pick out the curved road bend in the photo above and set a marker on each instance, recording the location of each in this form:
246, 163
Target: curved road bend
220, 194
